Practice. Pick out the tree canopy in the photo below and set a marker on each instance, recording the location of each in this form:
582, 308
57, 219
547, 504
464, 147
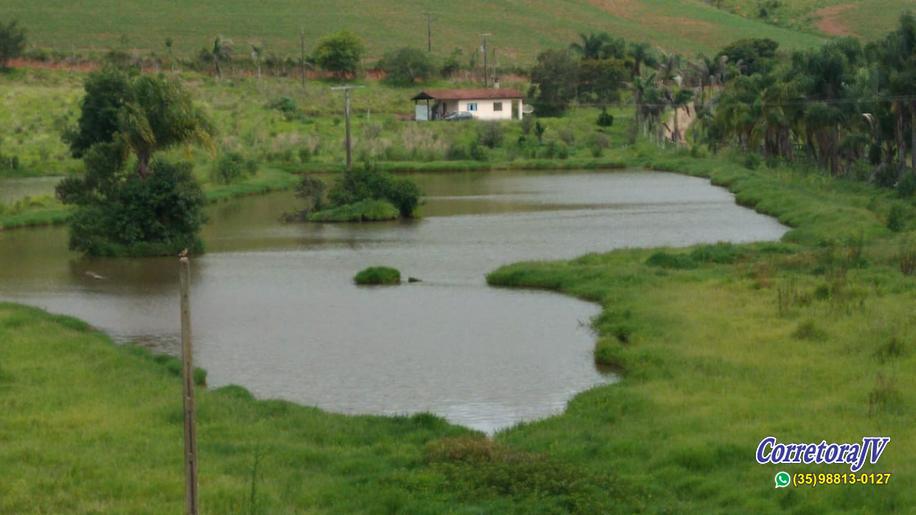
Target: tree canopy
12, 42
145, 113
340, 53
847, 107
157, 208
407, 66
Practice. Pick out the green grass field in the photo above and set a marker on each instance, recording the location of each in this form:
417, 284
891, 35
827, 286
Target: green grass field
520, 29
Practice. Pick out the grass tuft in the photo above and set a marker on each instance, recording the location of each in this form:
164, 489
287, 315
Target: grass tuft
378, 275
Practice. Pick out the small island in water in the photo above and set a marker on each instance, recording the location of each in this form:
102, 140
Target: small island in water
362, 195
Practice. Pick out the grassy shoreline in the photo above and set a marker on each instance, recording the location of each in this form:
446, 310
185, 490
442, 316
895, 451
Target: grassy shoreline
807, 339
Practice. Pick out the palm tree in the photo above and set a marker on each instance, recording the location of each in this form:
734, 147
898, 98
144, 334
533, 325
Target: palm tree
678, 98
640, 54
592, 45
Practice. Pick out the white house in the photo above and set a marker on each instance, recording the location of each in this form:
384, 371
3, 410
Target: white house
483, 104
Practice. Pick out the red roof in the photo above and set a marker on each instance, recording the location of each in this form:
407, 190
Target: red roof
466, 94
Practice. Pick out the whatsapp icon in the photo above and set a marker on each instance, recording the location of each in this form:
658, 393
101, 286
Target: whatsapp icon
782, 479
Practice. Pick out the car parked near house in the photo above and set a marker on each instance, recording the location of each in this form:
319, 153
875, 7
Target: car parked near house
459, 116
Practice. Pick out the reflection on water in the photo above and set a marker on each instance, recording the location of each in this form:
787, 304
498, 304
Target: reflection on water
275, 309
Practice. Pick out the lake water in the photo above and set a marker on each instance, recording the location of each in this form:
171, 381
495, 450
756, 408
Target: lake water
275, 309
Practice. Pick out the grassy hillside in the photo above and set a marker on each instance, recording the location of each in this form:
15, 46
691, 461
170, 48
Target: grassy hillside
868, 19
520, 29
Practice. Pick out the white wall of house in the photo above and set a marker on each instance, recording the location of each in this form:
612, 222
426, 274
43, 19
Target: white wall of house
490, 109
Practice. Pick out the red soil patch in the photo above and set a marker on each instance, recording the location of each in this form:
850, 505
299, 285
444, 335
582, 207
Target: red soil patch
830, 22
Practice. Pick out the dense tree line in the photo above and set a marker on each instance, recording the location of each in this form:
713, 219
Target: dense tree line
850, 108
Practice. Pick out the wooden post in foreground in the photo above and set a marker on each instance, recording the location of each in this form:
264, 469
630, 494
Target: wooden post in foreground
187, 374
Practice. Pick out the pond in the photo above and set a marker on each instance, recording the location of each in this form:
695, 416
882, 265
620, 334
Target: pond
275, 309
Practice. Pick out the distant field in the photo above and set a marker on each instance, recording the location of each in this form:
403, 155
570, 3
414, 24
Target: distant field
519, 29
868, 19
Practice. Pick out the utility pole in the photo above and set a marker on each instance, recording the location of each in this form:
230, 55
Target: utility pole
486, 71
187, 372
429, 31
346, 90
302, 56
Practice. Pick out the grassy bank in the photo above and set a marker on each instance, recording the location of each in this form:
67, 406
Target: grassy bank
720, 346
91, 427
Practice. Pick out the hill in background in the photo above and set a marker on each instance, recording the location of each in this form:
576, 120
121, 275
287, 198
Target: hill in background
520, 29
867, 19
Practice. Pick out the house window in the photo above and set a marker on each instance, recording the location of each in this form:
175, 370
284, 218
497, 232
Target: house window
497, 106
472, 106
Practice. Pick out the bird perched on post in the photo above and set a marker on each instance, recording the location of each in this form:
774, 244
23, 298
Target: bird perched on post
183, 253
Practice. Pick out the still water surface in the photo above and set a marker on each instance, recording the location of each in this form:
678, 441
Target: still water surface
275, 310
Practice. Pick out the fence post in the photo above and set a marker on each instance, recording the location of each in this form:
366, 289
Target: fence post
187, 373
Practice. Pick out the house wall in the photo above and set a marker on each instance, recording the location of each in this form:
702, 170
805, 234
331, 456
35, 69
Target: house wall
485, 108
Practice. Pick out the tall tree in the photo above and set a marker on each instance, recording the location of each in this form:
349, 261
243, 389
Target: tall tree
340, 53
12, 42
144, 113
553, 80
154, 210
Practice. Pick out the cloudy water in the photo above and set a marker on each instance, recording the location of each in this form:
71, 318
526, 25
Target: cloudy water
275, 309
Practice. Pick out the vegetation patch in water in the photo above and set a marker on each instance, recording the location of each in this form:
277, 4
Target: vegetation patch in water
362, 211
378, 275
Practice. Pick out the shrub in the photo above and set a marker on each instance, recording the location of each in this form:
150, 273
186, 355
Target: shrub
159, 215
285, 105
567, 136
490, 135
378, 275
605, 119
527, 124
404, 194
896, 219
477, 152
311, 190
598, 143
906, 187
369, 184
752, 161
230, 167
456, 151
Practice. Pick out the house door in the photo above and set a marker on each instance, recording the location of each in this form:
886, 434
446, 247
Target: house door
515, 113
